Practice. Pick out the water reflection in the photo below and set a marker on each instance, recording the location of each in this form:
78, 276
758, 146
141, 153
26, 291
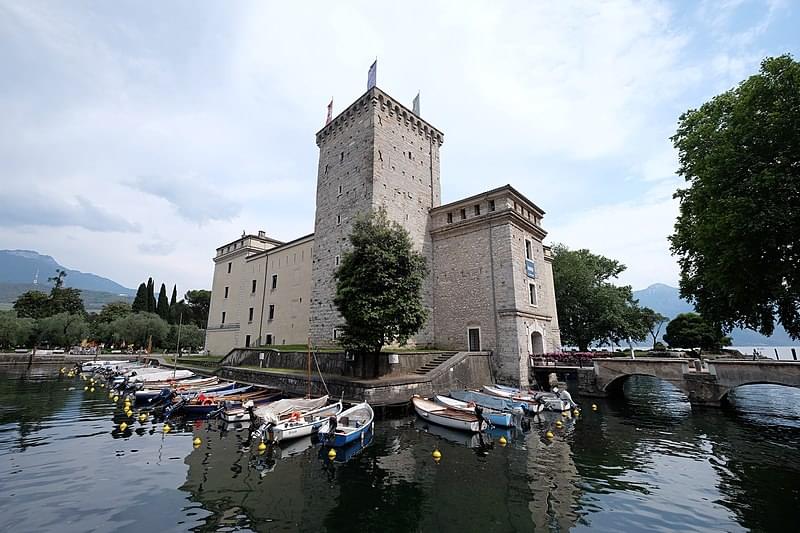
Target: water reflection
640, 463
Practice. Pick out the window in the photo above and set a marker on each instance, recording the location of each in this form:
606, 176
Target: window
340, 190
477, 209
338, 220
341, 157
271, 311
250, 315
463, 214
247, 341
268, 339
223, 317
274, 281
253, 288
528, 250
336, 260
474, 339
491, 205
226, 291
449, 218
534, 297
229, 267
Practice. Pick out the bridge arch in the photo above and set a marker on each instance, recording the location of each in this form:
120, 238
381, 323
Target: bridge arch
783, 383
615, 387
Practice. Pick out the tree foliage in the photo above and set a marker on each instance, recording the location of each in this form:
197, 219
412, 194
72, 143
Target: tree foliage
591, 309
114, 310
737, 234
198, 303
162, 307
140, 301
16, 331
32, 304
65, 300
191, 337
653, 322
62, 329
690, 330
379, 285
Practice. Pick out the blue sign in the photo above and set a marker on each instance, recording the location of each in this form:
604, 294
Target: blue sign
530, 268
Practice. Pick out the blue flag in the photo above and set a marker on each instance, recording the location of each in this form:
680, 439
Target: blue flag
372, 76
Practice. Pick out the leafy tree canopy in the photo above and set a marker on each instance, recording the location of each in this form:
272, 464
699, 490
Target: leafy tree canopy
591, 309
379, 285
15, 331
198, 302
32, 304
690, 330
114, 310
736, 237
140, 301
653, 322
162, 308
62, 329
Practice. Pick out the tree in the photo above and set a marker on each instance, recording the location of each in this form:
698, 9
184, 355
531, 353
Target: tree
65, 300
138, 329
690, 330
592, 310
140, 301
198, 303
62, 329
58, 279
736, 235
192, 337
151, 296
15, 331
162, 308
653, 321
379, 286
173, 305
32, 304
114, 310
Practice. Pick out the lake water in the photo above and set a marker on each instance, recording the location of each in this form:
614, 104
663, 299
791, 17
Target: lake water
643, 463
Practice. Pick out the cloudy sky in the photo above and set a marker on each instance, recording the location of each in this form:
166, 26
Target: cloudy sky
135, 137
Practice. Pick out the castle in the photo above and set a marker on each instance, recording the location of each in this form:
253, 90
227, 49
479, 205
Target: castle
490, 282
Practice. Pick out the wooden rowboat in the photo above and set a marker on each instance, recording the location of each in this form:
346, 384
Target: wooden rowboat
445, 416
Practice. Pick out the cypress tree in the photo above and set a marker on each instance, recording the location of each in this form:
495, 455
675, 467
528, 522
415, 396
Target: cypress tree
151, 296
163, 303
173, 305
140, 302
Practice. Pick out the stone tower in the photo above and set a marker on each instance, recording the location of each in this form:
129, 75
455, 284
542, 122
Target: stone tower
376, 153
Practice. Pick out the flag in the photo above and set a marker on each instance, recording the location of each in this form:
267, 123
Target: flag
330, 113
415, 105
372, 75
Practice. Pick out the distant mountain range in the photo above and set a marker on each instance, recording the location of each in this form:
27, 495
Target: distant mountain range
25, 266
667, 301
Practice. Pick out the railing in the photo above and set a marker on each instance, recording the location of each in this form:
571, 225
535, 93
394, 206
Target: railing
579, 359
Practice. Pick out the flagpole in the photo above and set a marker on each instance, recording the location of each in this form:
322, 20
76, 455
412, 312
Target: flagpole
177, 348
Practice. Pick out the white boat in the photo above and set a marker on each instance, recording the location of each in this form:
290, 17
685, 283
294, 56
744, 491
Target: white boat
549, 400
274, 411
496, 418
164, 376
445, 416
303, 425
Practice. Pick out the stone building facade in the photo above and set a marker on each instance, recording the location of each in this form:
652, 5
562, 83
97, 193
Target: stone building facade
490, 285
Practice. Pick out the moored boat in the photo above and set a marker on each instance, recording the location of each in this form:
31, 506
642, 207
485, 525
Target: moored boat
348, 426
445, 416
495, 418
272, 411
487, 401
302, 424
546, 400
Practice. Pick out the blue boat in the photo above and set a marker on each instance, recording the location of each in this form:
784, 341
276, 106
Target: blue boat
347, 452
348, 426
488, 401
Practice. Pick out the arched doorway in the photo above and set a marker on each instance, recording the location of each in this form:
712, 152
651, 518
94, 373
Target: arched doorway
537, 343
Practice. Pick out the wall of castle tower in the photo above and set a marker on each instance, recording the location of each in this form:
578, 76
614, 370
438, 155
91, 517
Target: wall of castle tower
226, 288
344, 190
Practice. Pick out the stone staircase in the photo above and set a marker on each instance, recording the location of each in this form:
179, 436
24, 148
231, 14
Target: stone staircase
433, 363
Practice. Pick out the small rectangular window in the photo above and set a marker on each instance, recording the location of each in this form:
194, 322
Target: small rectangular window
253, 288
340, 190
491, 205
229, 267
336, 260
250, 315
449, 218
271, 311
247, 341
533, 296
338, 220
274, 281
223, 317
268, 339
226, 291
463, 214
528, 250
477, 209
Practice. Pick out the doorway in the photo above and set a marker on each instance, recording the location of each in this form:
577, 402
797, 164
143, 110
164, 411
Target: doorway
474, 339
537, 343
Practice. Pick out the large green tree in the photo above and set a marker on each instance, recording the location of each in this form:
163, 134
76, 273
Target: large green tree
62, 329
591, 309
114, 310
141, 299
32, 304
16, 331
138, 329
653, 322
151, 296
198, 303
379, 286
65, 300
737, 234
690, 330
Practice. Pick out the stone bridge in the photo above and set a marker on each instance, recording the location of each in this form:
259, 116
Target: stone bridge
703, 382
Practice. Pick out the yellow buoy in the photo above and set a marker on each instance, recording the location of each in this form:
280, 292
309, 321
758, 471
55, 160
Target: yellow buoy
549, 434
594, 407
559, 424
128, 413
123, 426
437, 455
142, 417
115, 399
262, 446
166, 428
86, 387
62, 370
502, 440
576, 412
91, 389
197, 441
331, 454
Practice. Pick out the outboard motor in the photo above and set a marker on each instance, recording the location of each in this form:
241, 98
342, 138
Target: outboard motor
162, 397
174, 407
479, 414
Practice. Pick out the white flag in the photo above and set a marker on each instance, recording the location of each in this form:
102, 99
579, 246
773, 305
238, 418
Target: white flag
415, 105
372, 76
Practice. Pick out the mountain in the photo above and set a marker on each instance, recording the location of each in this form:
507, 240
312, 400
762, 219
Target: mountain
667, 301
24, 266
